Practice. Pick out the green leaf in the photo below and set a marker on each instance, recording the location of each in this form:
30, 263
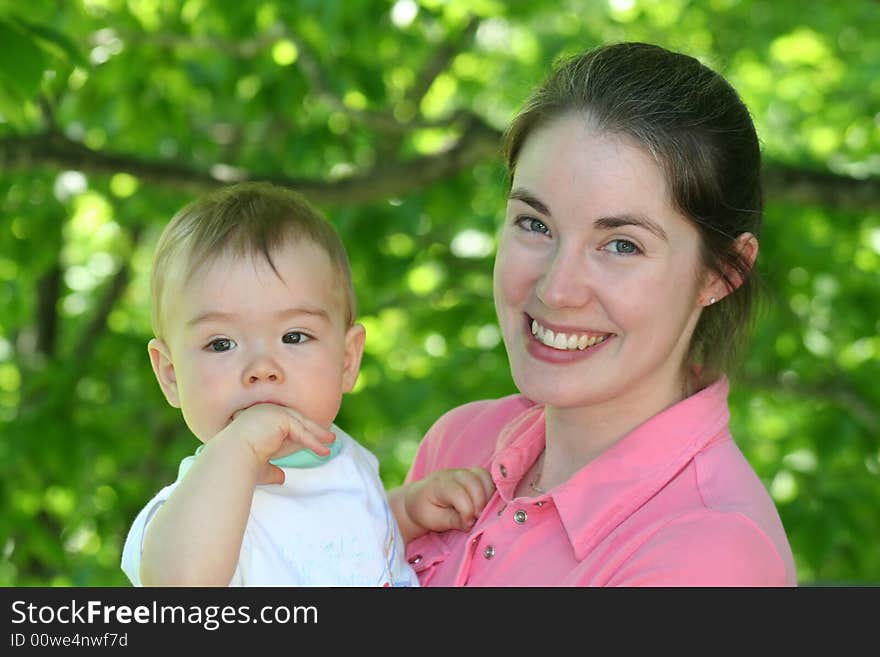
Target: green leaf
21, 61
53, 42
12, 107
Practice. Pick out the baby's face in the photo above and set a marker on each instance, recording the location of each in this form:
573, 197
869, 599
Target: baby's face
240, 334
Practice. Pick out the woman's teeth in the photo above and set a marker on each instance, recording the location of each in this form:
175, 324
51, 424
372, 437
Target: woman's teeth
566, 341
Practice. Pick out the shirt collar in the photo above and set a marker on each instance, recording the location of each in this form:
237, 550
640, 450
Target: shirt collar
610, 488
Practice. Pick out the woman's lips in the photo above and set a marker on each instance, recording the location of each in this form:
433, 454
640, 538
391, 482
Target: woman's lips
561, 345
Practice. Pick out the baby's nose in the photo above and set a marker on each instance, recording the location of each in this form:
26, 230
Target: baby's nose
263, 369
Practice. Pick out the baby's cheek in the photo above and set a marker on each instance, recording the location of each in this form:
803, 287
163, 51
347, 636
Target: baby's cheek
327, 400
204, 419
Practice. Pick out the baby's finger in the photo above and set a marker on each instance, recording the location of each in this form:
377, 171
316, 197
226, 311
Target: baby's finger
472, 483
486, 481
311, 427
458, 497
305, 433
452, 519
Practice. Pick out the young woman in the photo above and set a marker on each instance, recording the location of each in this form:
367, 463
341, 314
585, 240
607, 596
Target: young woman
623, 283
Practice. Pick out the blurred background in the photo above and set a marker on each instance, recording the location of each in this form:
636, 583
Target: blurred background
388, 115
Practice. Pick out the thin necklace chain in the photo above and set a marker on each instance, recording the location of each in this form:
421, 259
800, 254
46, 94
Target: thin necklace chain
533, 484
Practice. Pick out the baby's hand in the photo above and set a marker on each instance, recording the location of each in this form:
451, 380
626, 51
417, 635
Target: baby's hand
449, 499
273, 431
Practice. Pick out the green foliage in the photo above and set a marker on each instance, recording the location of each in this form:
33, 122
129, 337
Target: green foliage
116, 113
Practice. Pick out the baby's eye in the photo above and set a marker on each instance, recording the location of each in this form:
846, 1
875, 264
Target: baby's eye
221, 344
622, 247
295, 337
533, 225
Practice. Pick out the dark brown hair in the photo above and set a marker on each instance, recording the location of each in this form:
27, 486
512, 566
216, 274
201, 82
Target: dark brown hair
698, 130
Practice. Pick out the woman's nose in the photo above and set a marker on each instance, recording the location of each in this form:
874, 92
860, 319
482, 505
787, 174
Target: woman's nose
263, 369
565, 283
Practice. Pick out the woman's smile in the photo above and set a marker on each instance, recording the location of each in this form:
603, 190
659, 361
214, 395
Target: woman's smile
561, 345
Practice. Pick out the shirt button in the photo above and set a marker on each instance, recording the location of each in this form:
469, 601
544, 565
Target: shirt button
489, 552
502, 470
415, 559
520, 517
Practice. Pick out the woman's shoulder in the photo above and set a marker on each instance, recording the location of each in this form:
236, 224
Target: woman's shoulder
467, 435
706, 548
484, 414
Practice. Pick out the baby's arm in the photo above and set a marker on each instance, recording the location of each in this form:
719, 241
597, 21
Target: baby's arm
195, 537
445, 499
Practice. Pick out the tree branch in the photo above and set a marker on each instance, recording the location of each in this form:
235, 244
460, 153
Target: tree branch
245, 48
823, 188
836, 391
441, 60
320, 86
98, 324
48, 292
479, 142
384, 121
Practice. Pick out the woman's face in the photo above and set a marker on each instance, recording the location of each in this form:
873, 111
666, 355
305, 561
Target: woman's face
598, 282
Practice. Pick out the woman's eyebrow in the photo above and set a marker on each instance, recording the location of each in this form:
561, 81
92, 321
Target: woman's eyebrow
526, 197
608, 223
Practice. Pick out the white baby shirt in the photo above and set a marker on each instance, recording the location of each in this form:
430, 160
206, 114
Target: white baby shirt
324, 526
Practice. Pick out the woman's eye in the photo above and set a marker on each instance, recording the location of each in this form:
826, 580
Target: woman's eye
221, 344
533, 225
294, 337
622, 247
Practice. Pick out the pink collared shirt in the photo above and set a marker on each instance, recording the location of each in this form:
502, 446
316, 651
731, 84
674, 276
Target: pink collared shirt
673, 503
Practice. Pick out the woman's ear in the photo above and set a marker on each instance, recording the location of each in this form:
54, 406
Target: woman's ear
163, 368
354, 350
716, 287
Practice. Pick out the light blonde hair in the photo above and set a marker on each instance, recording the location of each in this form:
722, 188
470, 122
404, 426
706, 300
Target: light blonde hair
245, 219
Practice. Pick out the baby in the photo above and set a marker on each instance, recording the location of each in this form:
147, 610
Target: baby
253, 311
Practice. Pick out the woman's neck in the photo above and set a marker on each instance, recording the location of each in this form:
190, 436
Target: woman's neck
576, 436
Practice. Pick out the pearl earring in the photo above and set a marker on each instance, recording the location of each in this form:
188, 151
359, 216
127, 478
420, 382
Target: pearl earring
712, 300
